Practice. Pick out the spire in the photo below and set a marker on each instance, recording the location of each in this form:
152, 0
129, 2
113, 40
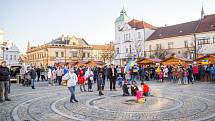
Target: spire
29, 45
202, 12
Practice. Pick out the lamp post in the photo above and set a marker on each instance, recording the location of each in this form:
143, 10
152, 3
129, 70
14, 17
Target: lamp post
47, 56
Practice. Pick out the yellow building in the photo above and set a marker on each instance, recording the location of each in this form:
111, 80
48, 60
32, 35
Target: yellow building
66, 50
103, 53
61, 50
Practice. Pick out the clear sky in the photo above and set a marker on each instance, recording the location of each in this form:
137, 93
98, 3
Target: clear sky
40, 21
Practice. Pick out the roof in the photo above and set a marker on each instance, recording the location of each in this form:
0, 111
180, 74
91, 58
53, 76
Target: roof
175, 30
101, 47
207, 24
179, 58
123, 16
67, 40
213, 56
140, 24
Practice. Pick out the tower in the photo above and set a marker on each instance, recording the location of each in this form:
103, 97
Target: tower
202, 12
28, 45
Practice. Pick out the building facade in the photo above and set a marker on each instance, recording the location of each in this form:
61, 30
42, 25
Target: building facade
1, 44
11, 56
186, 40
64, 49
130, 35
103, 53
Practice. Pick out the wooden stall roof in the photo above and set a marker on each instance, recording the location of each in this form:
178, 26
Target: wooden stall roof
149, 61
95, 63
211, 58
178, 58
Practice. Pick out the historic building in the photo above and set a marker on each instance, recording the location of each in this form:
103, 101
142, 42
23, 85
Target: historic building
64, 49
11, 55
186, 39
130, 35
103, 53
1, 44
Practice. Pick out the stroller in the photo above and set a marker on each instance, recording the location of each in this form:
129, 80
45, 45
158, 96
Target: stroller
27, 79
120, 79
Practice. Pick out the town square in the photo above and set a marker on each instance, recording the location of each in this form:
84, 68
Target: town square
115, 60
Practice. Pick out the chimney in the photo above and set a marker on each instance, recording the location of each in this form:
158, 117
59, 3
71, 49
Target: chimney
62, 37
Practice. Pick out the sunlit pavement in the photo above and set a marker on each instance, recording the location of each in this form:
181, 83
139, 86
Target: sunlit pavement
169, 102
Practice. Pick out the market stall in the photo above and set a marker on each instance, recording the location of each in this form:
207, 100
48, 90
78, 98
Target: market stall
149, 61
175, 60
207, 59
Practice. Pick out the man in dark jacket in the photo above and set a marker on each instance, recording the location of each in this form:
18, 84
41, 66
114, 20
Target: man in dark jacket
112, 76
4, 81
33, 75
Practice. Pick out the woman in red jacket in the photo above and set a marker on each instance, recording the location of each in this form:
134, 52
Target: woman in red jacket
81, 80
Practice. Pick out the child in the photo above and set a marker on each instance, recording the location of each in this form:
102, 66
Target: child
134, 88
145, 88
120, 79
81, 80
186, 74
125, 88
100, 79
161, 75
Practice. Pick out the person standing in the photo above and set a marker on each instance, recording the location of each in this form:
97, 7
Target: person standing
112, 76
4, 82
59, 74
72, 80
99, 82
33, 75
43, 72
38, 70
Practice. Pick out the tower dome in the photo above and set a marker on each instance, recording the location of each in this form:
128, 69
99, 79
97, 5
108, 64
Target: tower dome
123, 16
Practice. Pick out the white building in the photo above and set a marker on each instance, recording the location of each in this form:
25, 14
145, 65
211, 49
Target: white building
129, 38
12, 55
180, 39
1, 43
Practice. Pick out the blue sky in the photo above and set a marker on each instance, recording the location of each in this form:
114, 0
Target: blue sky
40, 21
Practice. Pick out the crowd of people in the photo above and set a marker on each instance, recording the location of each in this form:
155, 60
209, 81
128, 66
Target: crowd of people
129, 76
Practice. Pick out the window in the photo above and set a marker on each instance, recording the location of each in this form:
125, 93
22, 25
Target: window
150, 47
130, 48
158, 46
170, 45
185, 43
204, 40
88, 54
127, 37
73, 43
62, 54
179, 52
6, 57
11, 57
139, 35
14, 57
74, 54
126, 50
117, 50
83, 55
56, 54
213, 39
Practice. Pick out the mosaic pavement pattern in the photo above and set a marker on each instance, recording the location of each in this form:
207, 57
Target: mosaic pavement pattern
170, 102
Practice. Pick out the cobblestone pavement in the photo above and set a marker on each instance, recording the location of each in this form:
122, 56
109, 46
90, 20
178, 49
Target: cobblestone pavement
169, 102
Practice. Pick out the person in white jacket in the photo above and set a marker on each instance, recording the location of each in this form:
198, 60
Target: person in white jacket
72, 80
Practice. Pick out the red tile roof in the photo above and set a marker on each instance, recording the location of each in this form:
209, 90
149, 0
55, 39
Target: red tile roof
207, 24
140, 24
175, 30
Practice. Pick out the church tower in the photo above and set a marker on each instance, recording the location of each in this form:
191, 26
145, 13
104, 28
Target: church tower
28, 45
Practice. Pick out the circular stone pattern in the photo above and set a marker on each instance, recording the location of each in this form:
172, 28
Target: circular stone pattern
128, 104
